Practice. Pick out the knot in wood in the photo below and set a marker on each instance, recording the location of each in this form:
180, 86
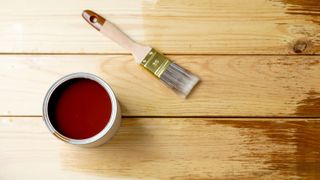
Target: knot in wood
300, 46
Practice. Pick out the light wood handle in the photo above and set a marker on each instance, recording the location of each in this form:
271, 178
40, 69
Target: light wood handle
109, 29
115, 34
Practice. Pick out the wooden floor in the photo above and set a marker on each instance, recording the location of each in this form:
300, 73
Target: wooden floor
255, 113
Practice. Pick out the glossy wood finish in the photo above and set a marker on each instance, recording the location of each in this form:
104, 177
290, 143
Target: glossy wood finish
171, 148
172, 26
254, 57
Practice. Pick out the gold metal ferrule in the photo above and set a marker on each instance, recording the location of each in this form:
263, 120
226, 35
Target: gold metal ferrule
155, 62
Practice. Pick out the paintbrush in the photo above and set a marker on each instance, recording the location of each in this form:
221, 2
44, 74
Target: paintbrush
174, 76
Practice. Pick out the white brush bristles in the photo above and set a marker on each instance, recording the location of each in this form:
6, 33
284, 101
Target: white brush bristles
179, 79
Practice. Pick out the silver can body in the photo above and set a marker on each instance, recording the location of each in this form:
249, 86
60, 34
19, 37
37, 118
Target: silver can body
103, 136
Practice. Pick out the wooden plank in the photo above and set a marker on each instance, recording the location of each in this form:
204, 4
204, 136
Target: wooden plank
172, 26
231, 85
163, 148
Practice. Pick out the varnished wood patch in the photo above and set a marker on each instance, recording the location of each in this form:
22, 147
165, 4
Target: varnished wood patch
167, 148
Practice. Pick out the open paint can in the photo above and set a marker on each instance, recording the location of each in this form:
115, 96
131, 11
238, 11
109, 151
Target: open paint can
82, 109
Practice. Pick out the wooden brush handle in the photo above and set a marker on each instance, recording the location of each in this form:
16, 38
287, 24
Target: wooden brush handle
108, 29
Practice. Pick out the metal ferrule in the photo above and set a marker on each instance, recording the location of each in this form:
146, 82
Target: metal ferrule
155, 62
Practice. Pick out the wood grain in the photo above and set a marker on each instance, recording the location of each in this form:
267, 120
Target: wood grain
172, 26
163, 148
231, 85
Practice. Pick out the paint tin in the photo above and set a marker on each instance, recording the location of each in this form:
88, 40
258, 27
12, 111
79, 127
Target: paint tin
108, 129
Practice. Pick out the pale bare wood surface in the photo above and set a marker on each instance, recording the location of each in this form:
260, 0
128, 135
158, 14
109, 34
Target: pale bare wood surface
172, 26
231, 85
163, 148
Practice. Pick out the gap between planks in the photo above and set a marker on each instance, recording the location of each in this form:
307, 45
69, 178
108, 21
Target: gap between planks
169, 54
222, 118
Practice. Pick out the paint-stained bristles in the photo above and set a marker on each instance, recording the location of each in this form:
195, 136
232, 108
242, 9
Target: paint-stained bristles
179, 79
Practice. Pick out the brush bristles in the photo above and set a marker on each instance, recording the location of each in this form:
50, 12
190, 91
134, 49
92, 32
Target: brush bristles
179, 79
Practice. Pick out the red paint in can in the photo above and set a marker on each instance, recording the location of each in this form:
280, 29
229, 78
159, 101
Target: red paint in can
79, 108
